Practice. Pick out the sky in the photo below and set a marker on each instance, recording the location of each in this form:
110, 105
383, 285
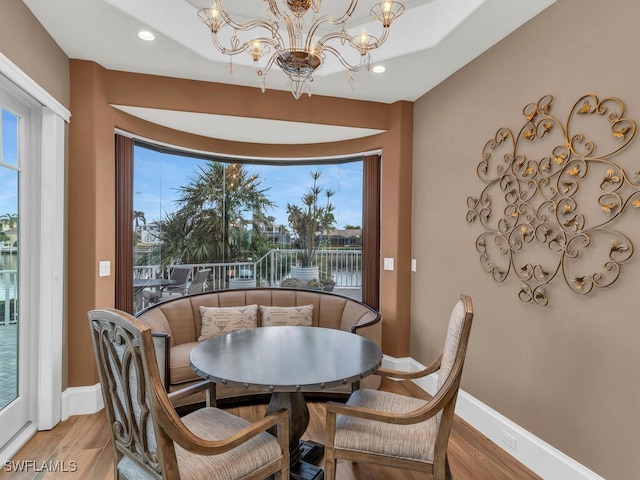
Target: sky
8, 155
157, 177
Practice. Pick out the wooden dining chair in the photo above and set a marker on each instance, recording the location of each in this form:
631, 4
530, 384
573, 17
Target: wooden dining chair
399, 431
151, 441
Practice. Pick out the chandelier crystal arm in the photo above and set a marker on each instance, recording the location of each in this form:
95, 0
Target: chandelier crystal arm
363, 45
272, 60
333, 20
239, 48
209, 16
330, 20
343, 61
274, 42
290, 30
273, 8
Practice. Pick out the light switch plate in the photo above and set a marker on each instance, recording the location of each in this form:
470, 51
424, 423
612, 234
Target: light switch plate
388, 264
414, 265
105, 268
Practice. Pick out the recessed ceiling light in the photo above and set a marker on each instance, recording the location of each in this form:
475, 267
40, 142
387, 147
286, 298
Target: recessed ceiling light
379, 69
146, 35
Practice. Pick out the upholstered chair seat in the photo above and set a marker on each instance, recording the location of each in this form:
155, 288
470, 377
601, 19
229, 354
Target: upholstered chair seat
400, 431
237, 463
232, 465
413, 441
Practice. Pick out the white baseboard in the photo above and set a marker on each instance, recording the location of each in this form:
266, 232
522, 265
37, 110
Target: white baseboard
81, 401
545, 460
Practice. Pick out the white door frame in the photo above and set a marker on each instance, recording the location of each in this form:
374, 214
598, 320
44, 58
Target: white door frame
48, 189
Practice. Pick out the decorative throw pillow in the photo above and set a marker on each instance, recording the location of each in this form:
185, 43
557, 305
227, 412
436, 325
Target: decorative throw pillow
301, 316
218, 320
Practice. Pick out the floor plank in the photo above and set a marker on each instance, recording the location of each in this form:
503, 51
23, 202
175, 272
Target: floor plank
82, 443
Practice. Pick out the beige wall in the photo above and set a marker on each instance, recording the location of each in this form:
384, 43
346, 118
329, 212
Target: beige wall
567, 372
92, 177
26, 43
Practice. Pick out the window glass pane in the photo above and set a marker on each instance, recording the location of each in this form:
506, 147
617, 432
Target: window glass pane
8, 285
9, 138
246, 224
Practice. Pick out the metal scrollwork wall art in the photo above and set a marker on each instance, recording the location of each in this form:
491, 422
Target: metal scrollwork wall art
554, 192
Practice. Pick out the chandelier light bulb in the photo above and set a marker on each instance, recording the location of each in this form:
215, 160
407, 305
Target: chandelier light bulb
386, 11
364, 38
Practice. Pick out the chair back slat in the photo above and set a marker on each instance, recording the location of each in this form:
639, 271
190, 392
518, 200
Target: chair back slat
199, 279
180, 275
120, 361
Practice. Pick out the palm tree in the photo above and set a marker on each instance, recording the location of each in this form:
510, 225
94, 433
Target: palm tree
311, 217
138, 217
209, 224
8, 223
9, 220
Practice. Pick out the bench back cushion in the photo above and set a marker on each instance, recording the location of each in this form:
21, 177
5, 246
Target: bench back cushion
181, 318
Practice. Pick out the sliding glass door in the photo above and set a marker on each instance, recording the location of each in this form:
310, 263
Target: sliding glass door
15, 379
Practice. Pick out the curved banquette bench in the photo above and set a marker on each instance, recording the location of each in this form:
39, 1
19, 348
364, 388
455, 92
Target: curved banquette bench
177, 325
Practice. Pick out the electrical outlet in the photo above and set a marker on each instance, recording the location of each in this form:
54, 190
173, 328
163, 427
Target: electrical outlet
509, 440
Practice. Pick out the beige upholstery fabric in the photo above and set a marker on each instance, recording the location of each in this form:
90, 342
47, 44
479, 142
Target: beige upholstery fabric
289, 316
232, 465
451, 343
218, 320
180, 370
414, 442
129, 469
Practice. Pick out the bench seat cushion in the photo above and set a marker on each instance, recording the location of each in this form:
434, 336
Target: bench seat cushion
180, 370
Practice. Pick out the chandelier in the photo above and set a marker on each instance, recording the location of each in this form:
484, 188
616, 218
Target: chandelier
297, 38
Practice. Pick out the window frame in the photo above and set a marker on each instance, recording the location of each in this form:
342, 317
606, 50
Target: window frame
124, 161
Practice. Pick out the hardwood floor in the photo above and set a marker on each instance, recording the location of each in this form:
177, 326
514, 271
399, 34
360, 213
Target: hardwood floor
81, 446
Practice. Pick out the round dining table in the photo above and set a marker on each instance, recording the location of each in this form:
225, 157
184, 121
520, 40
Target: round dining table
288, 361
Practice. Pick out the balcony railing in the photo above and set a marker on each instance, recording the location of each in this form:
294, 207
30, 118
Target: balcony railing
8, 296
343, 266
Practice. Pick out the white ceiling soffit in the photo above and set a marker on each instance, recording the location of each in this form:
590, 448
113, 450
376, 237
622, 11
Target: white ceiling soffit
432, 40
247, 130
423, 25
